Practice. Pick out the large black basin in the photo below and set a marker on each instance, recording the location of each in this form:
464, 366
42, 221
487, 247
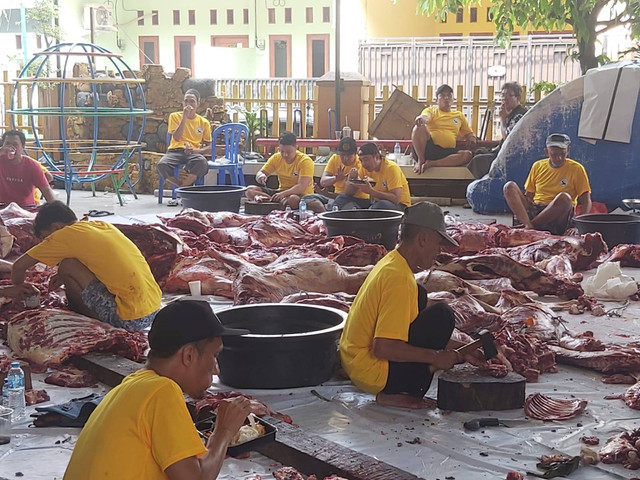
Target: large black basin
212, 198
372, 226
614, 228
289, 345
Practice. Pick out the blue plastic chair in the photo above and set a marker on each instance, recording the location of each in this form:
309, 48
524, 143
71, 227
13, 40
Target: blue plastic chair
176, 174
232, 160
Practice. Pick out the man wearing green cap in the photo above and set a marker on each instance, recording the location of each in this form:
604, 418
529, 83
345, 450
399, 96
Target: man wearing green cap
142, 428
392, 342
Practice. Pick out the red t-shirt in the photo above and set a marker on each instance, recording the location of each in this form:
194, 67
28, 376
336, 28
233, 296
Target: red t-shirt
17, 182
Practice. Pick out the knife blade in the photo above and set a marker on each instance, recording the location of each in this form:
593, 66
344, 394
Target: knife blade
478, 423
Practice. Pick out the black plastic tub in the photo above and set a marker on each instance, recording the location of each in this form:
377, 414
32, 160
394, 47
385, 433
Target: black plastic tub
372, 226
212, 198
289, 345
614, 228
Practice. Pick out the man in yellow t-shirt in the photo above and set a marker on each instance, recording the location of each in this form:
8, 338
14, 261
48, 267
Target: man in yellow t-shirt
295, 175
104, 274
392, 343
380, 179
553, 188
436, 132
190, 142
335, 175
142, 428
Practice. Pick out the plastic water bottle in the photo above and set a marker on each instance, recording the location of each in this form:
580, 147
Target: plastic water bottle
16, 398
5, 393
397, 151
302, 209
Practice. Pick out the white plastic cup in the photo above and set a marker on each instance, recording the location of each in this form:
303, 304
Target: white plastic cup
195, 288
356, 134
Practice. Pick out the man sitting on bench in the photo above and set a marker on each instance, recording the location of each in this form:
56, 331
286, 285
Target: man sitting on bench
436, 132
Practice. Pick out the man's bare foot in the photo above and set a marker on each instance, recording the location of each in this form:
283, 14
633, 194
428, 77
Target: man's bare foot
405, 401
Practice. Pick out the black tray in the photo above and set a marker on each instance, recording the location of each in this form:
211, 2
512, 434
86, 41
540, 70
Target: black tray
207, 424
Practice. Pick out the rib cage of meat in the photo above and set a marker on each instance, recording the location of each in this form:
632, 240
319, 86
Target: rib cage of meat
542, 407
523, 277
49, 336
611, 360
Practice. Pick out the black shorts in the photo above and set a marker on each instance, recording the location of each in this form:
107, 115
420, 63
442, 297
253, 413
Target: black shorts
431, 329
269, 191
433, 151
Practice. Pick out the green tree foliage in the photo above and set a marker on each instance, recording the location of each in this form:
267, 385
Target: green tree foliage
43, 15
549, 15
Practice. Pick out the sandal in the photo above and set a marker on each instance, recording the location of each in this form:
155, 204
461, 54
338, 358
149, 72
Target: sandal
98, 213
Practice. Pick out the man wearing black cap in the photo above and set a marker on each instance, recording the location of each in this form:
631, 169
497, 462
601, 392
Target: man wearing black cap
294, 170
190, 142
553, 188
381, 180
335, 175
436, 132
391, 343
142, 428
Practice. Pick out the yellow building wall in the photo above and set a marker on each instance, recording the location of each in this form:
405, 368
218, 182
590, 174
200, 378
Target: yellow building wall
384, 19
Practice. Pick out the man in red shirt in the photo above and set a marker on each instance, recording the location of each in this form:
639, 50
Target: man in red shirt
20, 175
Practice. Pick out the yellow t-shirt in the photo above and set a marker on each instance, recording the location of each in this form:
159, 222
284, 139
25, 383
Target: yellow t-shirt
445, 127
112, 258
389, 177
332, 167
547, 182
196, 131
385, 307
290, 173
139, 429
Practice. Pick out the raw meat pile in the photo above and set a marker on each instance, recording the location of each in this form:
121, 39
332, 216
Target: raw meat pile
71, 377
542, 407
624, 448
290, 473
47, 337
204, 407
253, 259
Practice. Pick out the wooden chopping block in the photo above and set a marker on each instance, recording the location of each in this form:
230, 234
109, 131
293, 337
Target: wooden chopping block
463, 389
261, 208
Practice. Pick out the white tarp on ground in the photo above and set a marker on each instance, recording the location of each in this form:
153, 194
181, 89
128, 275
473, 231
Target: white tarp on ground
444, 449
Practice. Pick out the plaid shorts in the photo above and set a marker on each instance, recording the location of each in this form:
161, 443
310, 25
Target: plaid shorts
103, 303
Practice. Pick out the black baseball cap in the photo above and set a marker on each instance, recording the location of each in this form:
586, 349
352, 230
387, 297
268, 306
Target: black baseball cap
347, 146
186, 321
369, 148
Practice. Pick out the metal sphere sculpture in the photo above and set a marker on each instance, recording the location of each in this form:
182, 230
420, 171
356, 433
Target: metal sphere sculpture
76, 98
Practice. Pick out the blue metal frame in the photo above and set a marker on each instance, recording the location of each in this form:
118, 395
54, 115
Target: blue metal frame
69, 173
